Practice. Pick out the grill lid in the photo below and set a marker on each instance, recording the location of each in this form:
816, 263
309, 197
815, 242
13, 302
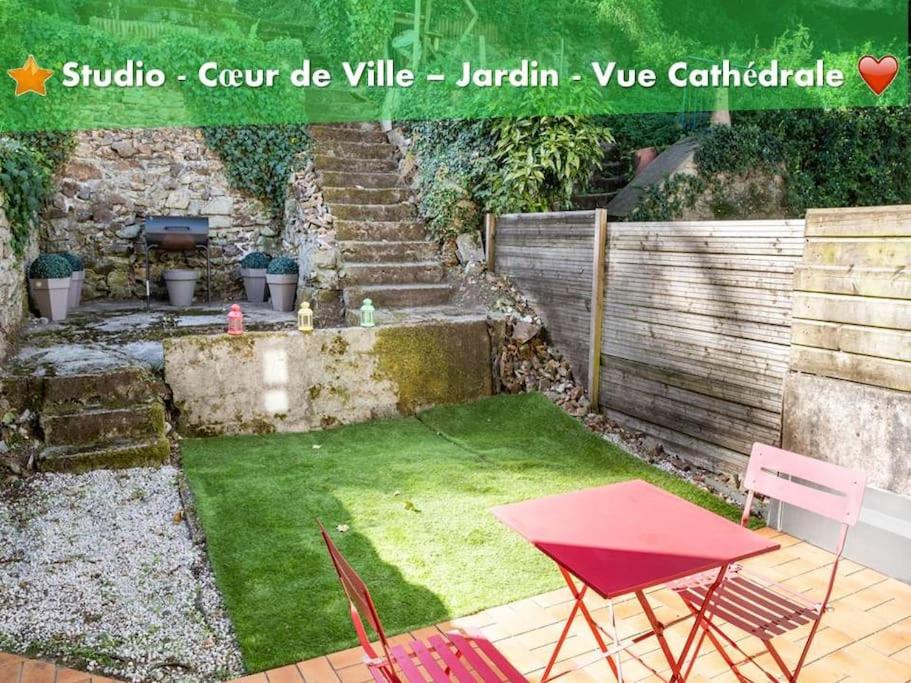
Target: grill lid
177, 233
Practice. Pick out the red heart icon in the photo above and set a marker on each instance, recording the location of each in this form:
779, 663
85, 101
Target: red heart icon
878, 73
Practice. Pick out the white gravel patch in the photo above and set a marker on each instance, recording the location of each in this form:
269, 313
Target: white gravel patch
95, 569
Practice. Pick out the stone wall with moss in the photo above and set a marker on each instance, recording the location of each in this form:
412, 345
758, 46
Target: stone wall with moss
13, 284
289, 381
114, 179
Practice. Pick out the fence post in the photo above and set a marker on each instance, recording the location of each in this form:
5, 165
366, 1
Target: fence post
490, 241
597, 307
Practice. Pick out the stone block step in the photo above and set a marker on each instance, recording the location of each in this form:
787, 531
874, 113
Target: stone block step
425, 272
360, 180
327, 162
345, 134
357, 195
386, 252
354, 151
374, 212
113, 389
390, 231
398, 296
114, 455
102, 425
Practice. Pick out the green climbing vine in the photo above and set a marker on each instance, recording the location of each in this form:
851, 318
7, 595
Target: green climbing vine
260, 159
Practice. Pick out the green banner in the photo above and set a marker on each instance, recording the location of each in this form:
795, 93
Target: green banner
75, 64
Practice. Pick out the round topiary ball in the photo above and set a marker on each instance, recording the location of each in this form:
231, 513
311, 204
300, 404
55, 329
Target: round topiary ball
256, 260
74, 261
283, 265
49, 267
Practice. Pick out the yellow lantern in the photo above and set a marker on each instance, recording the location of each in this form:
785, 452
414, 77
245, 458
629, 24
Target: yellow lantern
305, 317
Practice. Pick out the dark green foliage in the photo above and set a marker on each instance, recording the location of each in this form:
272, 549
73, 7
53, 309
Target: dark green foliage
25, 183
52, 146
260, 159
633, 132
49, 266
668, 200
726, 149
283, 265
74, 261
255, 260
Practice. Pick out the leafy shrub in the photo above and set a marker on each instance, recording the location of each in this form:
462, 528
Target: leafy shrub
74, 261
25, 183
283, 265
256, 260
49, 266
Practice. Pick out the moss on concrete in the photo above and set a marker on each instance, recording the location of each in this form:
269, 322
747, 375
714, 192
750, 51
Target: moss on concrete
441, 364
114, 457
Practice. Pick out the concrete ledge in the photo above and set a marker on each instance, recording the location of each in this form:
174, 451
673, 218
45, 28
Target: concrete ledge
288, 381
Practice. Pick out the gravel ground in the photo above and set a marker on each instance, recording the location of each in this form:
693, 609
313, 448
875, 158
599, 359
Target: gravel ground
98, 571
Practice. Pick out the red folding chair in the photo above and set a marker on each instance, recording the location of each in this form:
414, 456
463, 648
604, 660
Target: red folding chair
759, 607
456, 656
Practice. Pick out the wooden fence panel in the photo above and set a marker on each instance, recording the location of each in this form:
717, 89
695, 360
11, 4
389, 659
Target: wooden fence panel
696, 333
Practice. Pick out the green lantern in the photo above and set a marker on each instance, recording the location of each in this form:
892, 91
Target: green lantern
367, 311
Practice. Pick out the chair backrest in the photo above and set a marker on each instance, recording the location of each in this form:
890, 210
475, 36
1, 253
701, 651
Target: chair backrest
821, 487
361, 603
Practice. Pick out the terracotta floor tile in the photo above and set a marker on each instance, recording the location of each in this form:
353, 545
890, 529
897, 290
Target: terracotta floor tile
252, 678
72, 676
38, 672
9, 673
285, 674
318, 670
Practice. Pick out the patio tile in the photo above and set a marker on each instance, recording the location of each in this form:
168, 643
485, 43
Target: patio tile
72, 676
252, 678
286, 674
318, 670
9, 673
38, 672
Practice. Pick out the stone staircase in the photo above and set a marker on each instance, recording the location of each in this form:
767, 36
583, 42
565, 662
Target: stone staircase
114, 418
385, 252
604, 184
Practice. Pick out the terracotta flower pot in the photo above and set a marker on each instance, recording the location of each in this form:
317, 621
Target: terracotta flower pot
642, 158
254, 284
77, 279
282, 289
51, 296
181, 283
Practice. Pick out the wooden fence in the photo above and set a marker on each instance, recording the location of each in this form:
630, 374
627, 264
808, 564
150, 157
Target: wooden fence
679, 330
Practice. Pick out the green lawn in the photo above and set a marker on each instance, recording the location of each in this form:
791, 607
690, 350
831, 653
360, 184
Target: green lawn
415, 493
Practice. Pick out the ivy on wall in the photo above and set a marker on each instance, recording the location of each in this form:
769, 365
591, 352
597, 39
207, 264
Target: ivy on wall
260, 159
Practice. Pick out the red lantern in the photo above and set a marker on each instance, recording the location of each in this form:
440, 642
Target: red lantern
235, 320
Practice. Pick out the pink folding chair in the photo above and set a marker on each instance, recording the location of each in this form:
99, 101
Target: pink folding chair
762, 608
456, 656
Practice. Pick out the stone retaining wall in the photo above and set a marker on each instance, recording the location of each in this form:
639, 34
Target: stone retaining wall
13, 286
114, 179
288, 381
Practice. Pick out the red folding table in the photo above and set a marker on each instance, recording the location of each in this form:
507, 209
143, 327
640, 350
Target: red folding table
624, 538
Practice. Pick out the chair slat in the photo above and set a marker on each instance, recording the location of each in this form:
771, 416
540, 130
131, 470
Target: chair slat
442, 648
403, 659
431, 666
512, 674
477, 662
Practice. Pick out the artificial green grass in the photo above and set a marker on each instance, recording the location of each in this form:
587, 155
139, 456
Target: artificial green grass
415, 494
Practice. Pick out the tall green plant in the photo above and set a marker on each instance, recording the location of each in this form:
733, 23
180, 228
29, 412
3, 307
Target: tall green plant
25, 184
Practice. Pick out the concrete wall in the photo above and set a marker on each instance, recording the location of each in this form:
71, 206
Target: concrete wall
289, 381
13, 286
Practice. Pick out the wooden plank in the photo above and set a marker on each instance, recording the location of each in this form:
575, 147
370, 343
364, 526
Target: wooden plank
854, 310
736, 310
753, 263
759, 247
890, 283
490, 232
867, 341
597, 304
873, 221
881, 372
667, 290
895, 252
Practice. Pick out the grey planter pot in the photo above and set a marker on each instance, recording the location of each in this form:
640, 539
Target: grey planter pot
254, 284
282, 289
51, 296
181, 283
77, 279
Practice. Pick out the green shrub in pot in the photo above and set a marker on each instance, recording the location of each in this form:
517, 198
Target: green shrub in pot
282, 275
49, 281
76, 279
253, 270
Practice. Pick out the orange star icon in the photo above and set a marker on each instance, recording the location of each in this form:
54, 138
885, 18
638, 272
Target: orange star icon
30, 77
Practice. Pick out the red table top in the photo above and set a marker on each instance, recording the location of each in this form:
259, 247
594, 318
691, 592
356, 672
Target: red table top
625, 537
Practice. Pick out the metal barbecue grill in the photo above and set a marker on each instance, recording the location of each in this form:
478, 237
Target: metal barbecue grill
176, 233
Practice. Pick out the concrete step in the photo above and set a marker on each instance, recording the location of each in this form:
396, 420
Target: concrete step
386, 252
328, 162
398, 296
424, 272
355, 151
344, 134
369, 230
357, 195
114, 455
113, 389
104, 425
426, 314
360, 180
374, 212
